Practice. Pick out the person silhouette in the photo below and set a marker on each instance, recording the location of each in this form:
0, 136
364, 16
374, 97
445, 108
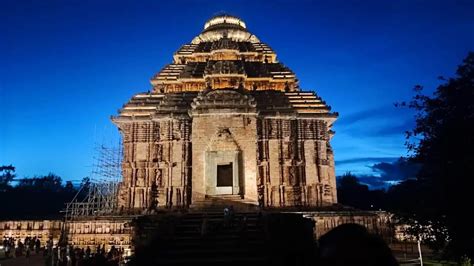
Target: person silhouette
226, 217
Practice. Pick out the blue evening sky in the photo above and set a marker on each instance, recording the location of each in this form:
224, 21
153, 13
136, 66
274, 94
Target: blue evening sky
66, 66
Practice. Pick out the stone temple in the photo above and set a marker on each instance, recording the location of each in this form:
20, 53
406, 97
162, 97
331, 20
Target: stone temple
224, 123
226, 119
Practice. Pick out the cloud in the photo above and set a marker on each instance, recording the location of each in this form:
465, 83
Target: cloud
371, 140
386, 120
399, 170
367, 114
395, 129
387, 127
385, 111
374, 182
386, 174
366, 160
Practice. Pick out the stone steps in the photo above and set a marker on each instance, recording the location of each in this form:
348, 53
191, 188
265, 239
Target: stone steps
215, 203
210, 250
270, 239
210, 261
220, 246
224, 243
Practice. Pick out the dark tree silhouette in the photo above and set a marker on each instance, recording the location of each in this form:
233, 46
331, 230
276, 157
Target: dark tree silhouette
50, 182
7, 174
40, 197
443, 143
404, 198
352, 193
442, 148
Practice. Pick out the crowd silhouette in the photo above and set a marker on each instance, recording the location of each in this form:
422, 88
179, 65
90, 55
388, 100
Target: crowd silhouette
55, 255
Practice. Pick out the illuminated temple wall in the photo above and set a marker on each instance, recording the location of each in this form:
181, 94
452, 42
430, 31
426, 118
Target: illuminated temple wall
90, 232
226, 99
41, 229
120, 231
376, 222
108, 231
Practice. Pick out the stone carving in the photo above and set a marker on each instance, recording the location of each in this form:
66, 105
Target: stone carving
158, 177
230, 94
224, 100
222, 141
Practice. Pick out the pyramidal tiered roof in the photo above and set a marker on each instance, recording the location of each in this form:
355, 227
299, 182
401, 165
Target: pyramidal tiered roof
225, 55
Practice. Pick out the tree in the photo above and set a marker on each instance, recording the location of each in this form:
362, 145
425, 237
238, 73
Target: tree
40, 197
50, 182
7, 174
406, 198
443, 143
69, 187
352, 193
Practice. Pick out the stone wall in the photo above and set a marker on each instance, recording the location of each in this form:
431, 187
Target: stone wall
279, 160
224, 126
156, 164
378, 222
111, 231
120, 231
296, 163
208, 138
41, 229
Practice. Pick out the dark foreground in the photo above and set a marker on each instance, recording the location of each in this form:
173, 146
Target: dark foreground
207, 238
245, 238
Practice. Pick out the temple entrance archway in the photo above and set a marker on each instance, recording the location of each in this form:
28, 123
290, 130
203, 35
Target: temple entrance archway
222, 163
222, 173
225, 178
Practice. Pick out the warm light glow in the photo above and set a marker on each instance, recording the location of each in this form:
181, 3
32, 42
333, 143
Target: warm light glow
224, 19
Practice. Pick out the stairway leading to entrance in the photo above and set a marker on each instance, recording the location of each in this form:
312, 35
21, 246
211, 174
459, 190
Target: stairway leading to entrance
253, 238
219, 202
238, 243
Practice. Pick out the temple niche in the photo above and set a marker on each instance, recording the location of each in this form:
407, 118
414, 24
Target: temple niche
226, 119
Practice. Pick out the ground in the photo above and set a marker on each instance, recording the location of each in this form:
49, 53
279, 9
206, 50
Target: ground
34, 260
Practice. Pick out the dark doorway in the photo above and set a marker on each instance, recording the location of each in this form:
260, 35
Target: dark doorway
224, 175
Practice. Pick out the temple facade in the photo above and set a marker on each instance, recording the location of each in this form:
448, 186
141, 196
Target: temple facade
226, 119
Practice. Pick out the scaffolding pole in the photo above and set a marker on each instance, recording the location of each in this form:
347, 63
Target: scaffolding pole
101, 189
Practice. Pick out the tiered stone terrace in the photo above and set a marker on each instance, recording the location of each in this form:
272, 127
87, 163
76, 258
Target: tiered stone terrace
226, 81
